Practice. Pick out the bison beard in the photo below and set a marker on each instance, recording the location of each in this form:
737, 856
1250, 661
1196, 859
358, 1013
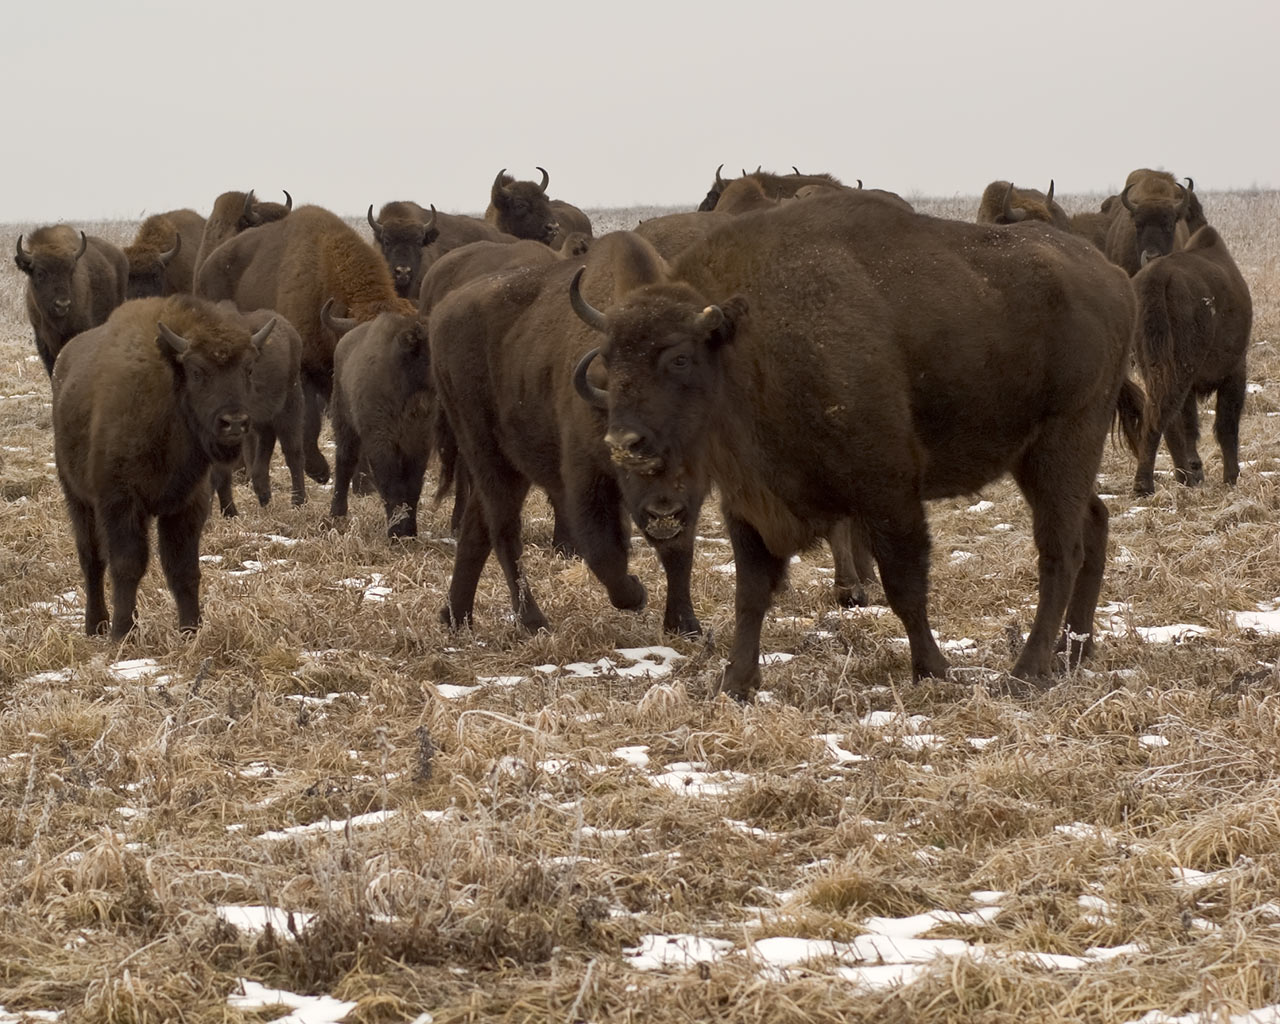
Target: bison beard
836, 359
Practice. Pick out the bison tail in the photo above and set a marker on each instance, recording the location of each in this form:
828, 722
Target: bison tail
1129, 411
1154, 346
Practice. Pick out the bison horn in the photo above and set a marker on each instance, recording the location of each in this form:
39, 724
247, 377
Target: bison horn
1191, 185
796, 170
587, 313
431, 222
23, 257
595, 397
377, 228
710, 319
546, 180
1184, 202
288, 200
497, 182
260, 335
338, 324
176, 342
167, 256
247, 214
1125, 201
719, 180
1010, 215
84, 244
1049, 197
859, 180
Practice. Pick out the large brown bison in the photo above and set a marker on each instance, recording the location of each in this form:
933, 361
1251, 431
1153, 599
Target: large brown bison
503, 348
162, 255
775, 186
382, 411
275, 411
74, 281
232, 213
673, 233
840, 357
1194, 319
1152, 220
143, 405
294, 266
1001, 203
523, 209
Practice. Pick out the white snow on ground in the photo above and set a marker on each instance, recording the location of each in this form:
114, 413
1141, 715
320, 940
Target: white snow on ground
23, 1016
658, 951
695, 779
306, 1009
373, 587
1266, 1015
328, 826
251, 919
655, 662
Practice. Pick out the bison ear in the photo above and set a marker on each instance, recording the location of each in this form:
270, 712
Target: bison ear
172, 346
723, 321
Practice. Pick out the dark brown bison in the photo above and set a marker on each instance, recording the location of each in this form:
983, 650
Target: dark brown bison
503, 348
294, 266
469, 262
523, 209
837, 358
1001, 203
1093, 226
1194, 319
275, 411
162, 255
382, 410
74, 281
1152, 220
232, 213
775, 186
143, 405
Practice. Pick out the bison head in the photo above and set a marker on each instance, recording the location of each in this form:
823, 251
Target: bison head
212, 375
522, 207
713, 193
51, 268
147, 269
661, 353
401, 241
1155, 222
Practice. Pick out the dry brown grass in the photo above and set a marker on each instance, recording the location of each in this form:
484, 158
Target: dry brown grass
521, 855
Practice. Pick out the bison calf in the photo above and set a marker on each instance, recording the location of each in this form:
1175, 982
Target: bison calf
1194, 319
382, 409
143, 405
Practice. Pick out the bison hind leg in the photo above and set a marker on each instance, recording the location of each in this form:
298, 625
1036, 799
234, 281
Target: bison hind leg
92, 565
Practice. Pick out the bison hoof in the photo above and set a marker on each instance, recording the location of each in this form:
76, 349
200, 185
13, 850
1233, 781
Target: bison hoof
263, 498
453, 620
402, 530
318, 469
298, 499
631, 596
682, 624
740, 686
1144, 488
1192, 477
851, 597
230, 511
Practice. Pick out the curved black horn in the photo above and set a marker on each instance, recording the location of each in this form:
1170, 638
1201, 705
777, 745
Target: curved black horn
859, 181
1184, 202
1125, 201
168, 255
719, 180
1191, 185
247, 213
431, 222
288, 200
23, 257
587, 313
377, 228
1011, 215
338, 324
546, 179
497, 182
596, 397
1049, 197
260, 335
84, 244
797, 171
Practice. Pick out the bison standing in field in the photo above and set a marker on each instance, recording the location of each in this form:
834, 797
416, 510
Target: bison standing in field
143, 405
275, 411
1194, 318
523, 209
401, 228
382, 411
162, 255
74, 281
294, 266
774, 186
232, 213
791, 359
1001, 203
1152, 219
503, 348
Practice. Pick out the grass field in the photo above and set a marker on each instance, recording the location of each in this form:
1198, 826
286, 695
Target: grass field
325, 806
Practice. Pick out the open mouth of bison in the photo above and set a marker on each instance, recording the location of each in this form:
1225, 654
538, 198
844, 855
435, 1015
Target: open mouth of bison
663, 520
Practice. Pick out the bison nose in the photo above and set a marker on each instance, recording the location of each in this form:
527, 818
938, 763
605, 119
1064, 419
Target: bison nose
231, 425
1147, 256
402, 272
62, 306
622, 442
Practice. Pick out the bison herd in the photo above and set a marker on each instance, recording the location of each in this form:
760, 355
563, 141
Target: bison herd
823, 356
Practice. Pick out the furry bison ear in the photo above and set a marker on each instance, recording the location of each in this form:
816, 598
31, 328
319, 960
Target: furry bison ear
173, 346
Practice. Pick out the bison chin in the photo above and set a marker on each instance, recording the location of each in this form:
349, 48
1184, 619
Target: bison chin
663, 519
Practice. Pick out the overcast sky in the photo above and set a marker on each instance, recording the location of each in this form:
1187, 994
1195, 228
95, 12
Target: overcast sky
116, 110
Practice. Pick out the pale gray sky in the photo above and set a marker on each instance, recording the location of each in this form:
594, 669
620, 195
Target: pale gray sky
120, 109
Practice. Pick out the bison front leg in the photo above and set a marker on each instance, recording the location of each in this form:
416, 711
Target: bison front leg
178, 534
760, 574
1226, 423
288, 430
345, 460
92, 566
221, 477
317, 465
594, 506
125, 526
676, 556
259, 445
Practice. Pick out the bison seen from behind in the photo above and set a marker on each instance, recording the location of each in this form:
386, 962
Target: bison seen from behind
1001, 203
1194, 318
143, 405
232, 213
792, 359
74, 281
162, 255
